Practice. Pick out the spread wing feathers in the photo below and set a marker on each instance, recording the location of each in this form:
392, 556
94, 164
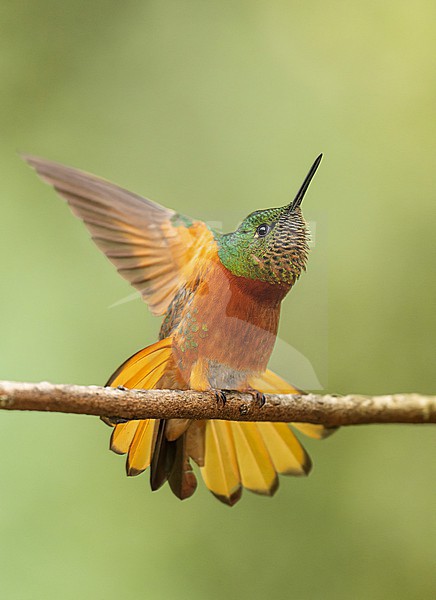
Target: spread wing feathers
220, 471
143, 370
270, 383
255, 465
151, 246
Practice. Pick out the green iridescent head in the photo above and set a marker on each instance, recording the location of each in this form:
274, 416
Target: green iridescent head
270, 245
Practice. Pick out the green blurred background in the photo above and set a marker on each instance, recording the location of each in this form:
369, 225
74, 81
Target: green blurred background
217, 109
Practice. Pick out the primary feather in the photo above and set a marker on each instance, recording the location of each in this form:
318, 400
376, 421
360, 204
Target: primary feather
148, 244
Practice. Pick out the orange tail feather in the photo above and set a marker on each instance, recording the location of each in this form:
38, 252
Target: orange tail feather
143, 370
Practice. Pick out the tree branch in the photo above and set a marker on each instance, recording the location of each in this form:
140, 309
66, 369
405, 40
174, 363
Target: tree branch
329, 410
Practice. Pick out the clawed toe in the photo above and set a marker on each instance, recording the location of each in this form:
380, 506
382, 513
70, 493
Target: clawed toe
117, 420
221, 398
259, 399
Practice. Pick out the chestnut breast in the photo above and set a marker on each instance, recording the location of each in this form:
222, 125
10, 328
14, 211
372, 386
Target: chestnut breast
230, 321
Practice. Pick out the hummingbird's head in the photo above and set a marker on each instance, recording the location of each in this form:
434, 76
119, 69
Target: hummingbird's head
270, 245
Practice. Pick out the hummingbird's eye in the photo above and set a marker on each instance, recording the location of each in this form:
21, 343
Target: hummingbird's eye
263, 230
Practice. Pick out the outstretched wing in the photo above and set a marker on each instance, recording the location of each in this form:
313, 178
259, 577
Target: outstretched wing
153, 247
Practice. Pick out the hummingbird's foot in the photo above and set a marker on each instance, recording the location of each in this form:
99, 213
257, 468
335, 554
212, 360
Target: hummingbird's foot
112, 421
117, 420
221, 398
258, 397
119, 387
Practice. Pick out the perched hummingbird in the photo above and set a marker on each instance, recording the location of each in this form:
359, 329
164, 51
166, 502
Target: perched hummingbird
220, 295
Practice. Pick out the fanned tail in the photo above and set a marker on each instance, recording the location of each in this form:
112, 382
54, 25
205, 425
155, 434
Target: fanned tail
159, 444
220, 471
251, 455
138, 438
271, 383
231, 455
144, 369
255, 465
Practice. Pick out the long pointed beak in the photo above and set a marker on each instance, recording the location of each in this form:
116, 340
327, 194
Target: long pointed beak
300, 195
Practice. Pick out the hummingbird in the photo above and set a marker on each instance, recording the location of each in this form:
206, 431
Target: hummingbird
220, 297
